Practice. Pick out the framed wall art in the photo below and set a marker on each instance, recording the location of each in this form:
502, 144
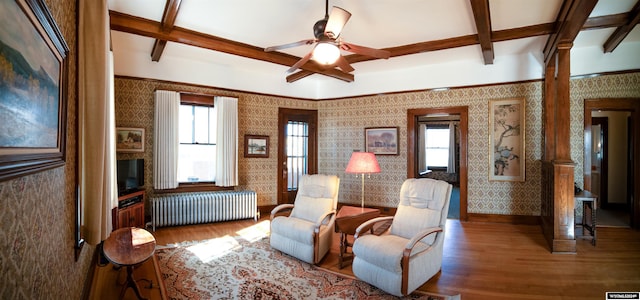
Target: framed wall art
33, 98
506, 139
256, 146
129, 139
381, 140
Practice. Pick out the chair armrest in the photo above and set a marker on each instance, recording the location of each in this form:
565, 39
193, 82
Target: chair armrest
279, 208
419, 236
364, 227
324, 220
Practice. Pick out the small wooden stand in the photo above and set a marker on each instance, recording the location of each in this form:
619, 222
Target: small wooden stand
347, 220
129, 214
129, 247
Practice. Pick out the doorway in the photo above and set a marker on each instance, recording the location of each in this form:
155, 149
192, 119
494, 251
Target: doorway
414, 166
610, 160
610, 166
297, 150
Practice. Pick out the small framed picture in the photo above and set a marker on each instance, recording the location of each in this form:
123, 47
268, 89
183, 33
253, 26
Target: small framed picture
381, 140
256, 146
129, 139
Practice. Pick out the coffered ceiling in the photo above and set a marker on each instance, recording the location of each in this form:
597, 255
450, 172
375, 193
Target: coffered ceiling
433, 43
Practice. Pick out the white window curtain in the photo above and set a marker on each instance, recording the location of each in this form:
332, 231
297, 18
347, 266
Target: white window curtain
96, 122
227, 141
166, 140
451, 166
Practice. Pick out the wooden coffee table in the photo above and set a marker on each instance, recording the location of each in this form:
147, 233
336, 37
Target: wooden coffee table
347, 220
128, 247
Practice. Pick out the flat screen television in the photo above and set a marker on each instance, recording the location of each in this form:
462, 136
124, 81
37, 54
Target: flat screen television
130, 175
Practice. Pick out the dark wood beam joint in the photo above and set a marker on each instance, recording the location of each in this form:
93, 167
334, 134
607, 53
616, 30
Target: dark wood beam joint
571, 19
621, 32
482, 17
168, 20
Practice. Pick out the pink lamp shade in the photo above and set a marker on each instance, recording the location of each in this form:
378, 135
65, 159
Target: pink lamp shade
363, 162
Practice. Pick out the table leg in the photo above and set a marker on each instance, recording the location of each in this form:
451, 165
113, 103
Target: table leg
131, 283
593, 221
343, 249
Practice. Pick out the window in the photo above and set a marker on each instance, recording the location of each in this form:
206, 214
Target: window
297, 152
197, 149
436, 147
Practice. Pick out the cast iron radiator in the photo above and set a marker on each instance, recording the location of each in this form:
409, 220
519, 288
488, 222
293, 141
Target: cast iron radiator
202, 207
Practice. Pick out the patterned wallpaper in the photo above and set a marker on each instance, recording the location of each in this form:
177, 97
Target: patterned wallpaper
341, 130
37, 211
258, 115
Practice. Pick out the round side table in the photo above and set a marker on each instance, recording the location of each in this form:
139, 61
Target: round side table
129, 247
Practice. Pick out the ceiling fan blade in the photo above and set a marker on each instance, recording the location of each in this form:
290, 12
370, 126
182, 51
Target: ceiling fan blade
337, 19
301, 62
343, 64
377, 53
290, 45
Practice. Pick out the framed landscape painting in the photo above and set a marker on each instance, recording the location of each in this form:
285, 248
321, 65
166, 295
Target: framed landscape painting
506, 139
33, 68
129, 139
256, 146
381, 140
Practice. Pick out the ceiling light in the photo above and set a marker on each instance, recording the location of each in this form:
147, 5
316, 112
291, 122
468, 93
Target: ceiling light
326, 53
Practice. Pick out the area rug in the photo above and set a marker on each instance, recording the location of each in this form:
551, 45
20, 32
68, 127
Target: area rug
236, 268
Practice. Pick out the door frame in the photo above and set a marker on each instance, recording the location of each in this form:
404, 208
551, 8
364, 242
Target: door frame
603, 197
620, 104
284, 115
412, 146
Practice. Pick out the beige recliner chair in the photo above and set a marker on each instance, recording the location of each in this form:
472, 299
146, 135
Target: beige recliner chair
410, 252
307, 233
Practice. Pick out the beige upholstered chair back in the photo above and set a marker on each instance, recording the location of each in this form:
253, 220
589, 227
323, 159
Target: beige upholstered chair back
422, 205
317, 195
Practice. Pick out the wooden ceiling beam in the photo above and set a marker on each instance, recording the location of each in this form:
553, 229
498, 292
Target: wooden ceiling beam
461, 41
571, 19
135, 25
168, 20
621, 32
144, 27
607, 21
482, 16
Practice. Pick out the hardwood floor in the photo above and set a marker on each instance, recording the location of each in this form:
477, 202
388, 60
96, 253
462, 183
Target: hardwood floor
481, 261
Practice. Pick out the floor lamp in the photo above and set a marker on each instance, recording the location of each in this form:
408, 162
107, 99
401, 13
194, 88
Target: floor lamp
363, 163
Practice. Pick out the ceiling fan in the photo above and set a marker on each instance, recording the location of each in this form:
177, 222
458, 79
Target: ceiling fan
328, 44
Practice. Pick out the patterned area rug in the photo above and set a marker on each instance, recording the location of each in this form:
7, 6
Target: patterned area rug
235, 268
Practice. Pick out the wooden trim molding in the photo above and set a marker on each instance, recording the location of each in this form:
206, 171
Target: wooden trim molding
509, 219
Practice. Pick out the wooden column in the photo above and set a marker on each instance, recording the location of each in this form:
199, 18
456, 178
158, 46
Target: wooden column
558, 168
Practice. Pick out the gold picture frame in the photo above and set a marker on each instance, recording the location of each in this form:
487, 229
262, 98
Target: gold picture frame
507, 139
129, 139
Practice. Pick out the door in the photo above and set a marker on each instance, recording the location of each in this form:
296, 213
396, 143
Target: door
297, 150
413, 157
599, 160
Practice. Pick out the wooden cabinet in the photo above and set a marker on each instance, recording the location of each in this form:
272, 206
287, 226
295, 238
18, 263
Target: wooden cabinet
130, 211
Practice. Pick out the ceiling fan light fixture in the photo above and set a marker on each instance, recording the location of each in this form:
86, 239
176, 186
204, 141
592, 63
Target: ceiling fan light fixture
326, 53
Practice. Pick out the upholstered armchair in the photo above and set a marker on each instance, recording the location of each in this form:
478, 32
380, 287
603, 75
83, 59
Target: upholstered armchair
409, 253
307, 232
